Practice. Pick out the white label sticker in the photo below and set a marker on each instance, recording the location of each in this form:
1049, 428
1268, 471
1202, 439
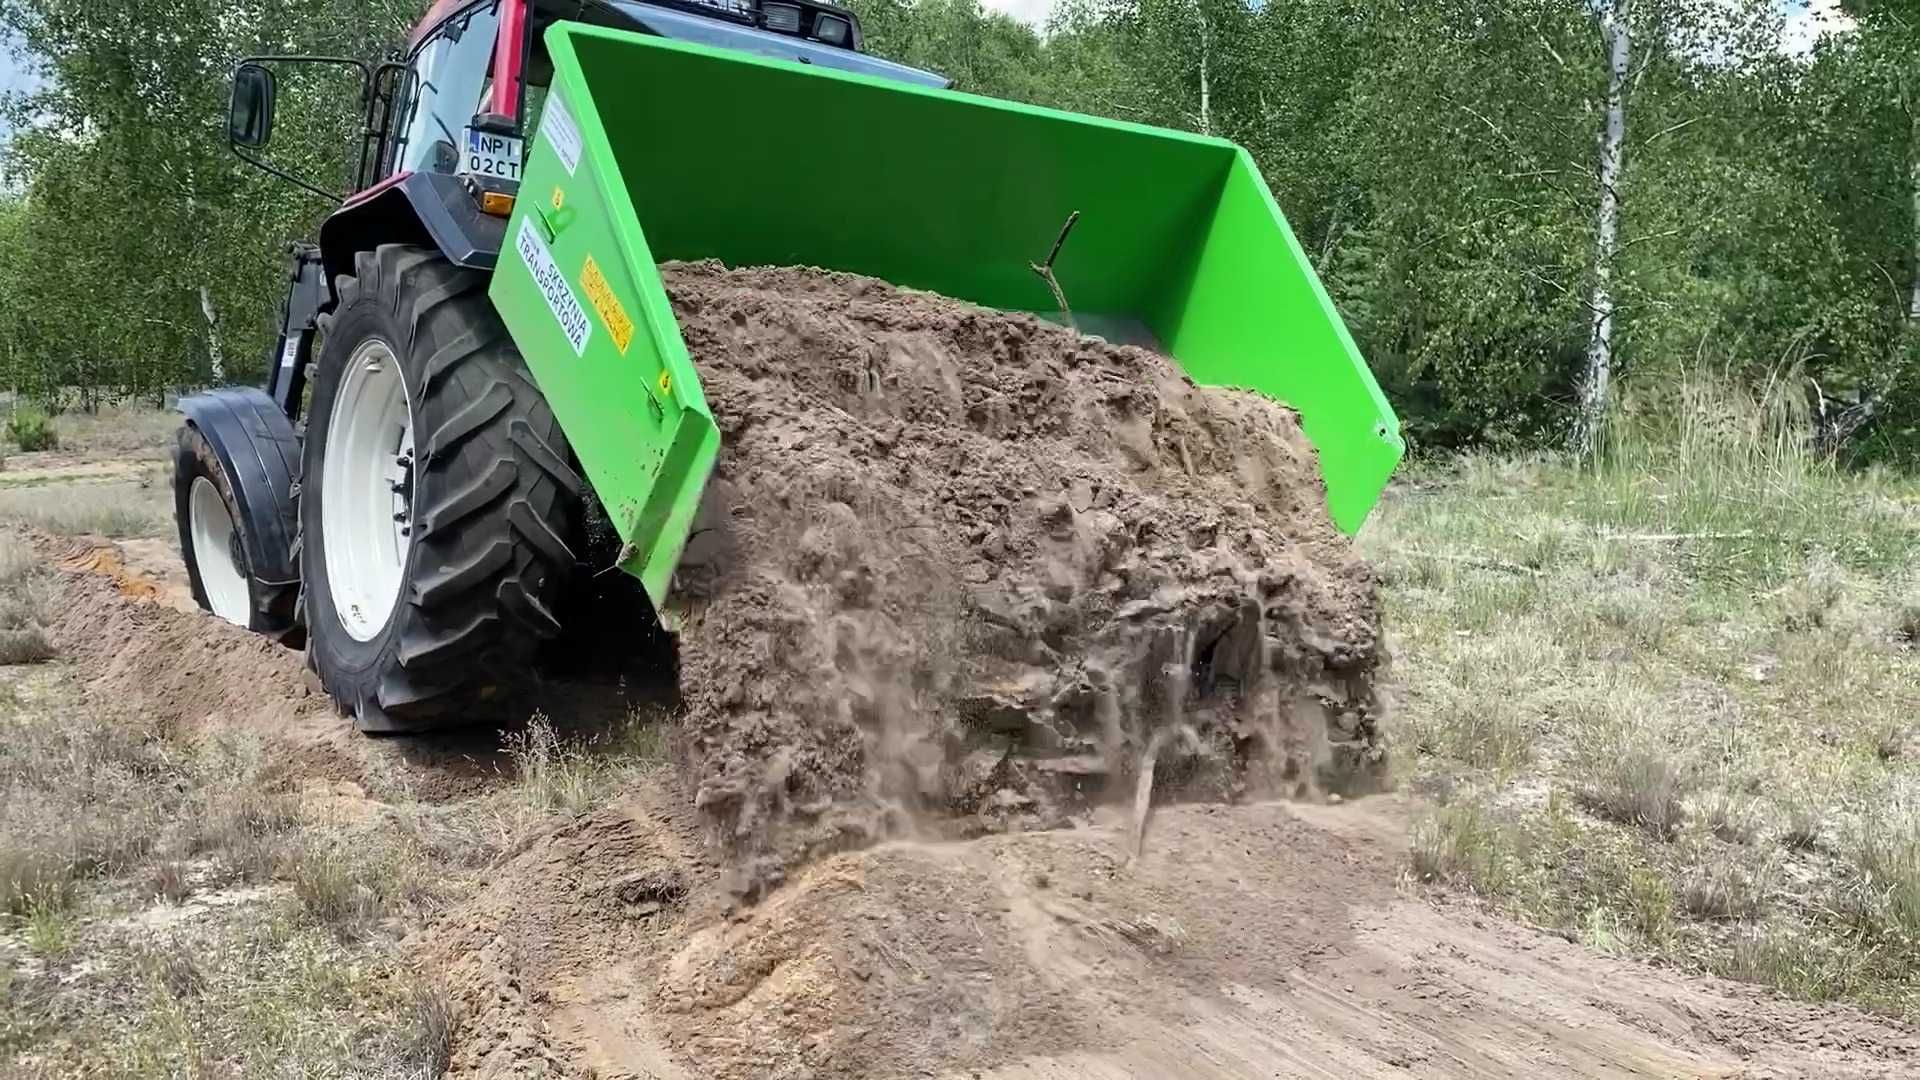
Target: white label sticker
291, 352
558, 126
553, 286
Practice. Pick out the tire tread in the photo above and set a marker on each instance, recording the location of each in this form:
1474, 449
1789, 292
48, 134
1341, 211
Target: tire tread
495, 495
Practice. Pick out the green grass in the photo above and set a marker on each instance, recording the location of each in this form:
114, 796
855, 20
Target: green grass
1665, 700
252, 990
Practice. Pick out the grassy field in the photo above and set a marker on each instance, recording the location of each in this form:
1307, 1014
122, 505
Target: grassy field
176, 904
186, 906
1671, 704
109, 475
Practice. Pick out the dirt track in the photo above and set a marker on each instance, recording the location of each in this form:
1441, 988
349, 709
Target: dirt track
1258, 940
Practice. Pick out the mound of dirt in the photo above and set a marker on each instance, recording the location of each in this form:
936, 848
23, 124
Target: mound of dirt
1259, 940
124, 616
971, 563
173, 666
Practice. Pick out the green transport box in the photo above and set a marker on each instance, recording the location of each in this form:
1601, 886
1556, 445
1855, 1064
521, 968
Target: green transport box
649, 150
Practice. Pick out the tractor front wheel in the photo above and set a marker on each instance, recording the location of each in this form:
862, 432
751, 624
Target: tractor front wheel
437, 498
214, 543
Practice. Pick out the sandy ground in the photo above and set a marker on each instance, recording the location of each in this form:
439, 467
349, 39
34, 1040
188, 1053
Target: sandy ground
1246, 941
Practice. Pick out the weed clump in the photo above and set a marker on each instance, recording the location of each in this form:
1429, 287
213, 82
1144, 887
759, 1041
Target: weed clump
31, 429
1641, 786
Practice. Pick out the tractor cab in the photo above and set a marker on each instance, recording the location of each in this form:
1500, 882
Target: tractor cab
447, 118
467, 94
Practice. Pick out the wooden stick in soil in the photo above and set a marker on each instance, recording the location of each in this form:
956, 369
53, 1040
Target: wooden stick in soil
1045, 270
1143, 794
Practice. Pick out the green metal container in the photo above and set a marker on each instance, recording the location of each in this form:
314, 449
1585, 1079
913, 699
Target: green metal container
649, 150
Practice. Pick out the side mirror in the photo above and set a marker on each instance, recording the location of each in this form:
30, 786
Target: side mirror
250, 116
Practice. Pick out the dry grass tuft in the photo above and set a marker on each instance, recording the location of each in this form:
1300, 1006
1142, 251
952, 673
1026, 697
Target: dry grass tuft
1462, 844
1806, 824
553, 774
1719, 888
1885, 892
166, 882
436, 1025
1810, 600
1642, 786
1780, 956
32, 875
118, 510
571, 774
1894, 740
173, 967
1906, 622
25, 590
1731, 818
1650, 903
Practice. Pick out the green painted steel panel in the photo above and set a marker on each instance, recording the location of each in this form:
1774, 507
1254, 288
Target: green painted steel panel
686, 152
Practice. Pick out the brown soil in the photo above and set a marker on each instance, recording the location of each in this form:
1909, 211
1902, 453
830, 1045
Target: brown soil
974, 564
151, 655
1247, 941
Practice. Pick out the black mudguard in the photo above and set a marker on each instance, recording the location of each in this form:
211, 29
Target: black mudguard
425, 209
258, 449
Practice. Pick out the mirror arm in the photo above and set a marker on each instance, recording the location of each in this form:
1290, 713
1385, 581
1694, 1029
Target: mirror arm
366, 74
284, 175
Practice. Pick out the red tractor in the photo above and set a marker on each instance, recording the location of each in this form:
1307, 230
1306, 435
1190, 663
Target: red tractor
400, 495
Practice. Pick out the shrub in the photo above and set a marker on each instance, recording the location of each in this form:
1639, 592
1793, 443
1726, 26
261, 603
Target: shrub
31, 429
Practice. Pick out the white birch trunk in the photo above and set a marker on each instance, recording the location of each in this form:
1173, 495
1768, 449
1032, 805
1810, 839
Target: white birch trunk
213, 336
1596, 388
1913, 178
1206, 76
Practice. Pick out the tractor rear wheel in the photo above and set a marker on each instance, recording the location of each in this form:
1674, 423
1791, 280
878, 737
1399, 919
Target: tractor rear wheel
437, 499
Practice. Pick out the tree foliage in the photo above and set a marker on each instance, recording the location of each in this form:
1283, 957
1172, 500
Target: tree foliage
140, 250
1439, 161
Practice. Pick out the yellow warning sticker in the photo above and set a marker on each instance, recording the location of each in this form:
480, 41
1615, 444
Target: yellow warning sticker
600, 295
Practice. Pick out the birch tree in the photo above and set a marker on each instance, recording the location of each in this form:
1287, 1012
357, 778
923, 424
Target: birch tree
1597, 381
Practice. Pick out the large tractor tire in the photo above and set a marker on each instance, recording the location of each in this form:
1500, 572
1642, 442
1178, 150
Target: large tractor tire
437, 498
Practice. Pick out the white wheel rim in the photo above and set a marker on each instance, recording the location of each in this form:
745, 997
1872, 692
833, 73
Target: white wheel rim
366, 497
213, 553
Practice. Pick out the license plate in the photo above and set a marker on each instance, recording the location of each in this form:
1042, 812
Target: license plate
494, 155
